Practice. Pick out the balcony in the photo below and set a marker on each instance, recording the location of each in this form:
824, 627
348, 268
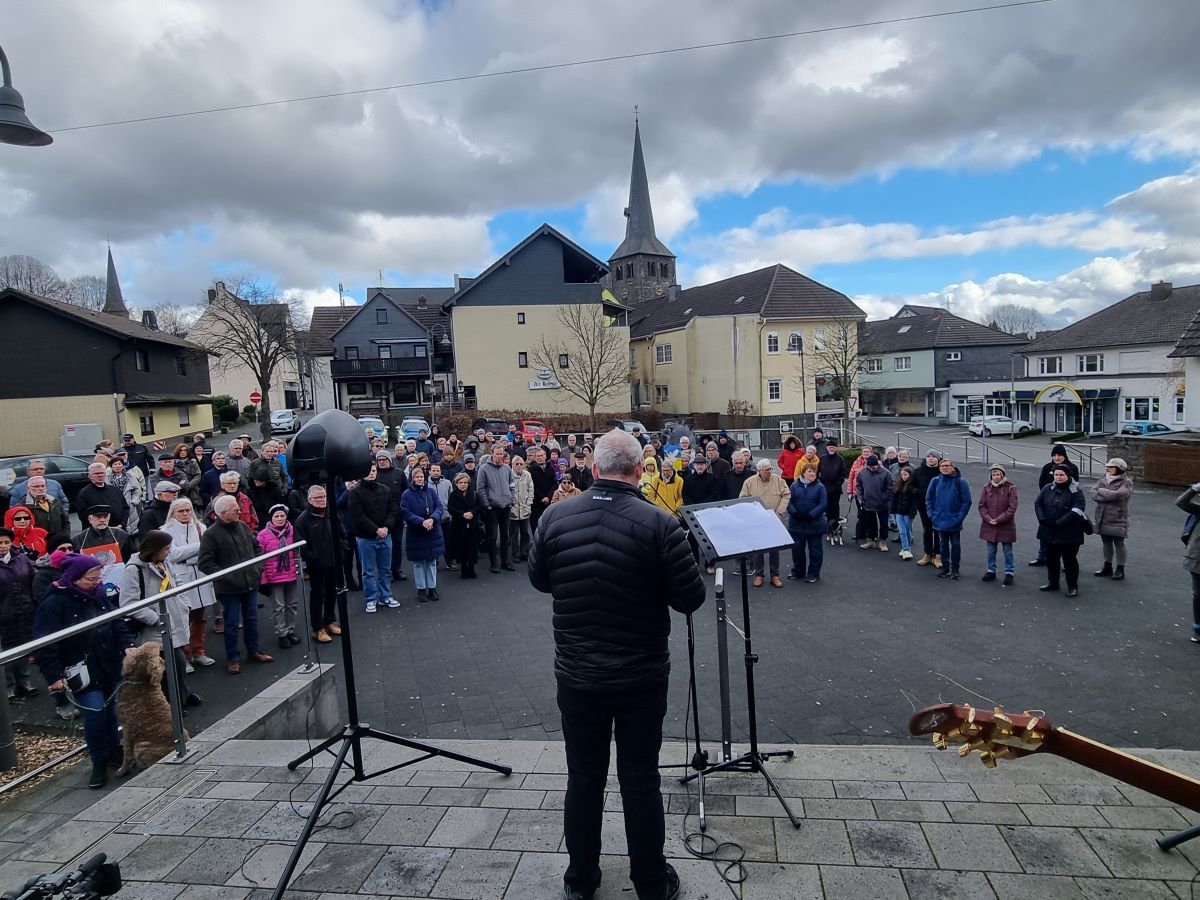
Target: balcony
400, 365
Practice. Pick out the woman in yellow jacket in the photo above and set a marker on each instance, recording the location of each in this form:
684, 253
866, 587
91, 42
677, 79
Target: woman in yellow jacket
809, 458
649, 476
666, 491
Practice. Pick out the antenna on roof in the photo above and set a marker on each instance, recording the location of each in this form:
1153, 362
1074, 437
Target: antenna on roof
381, 277
635, 114
341, 296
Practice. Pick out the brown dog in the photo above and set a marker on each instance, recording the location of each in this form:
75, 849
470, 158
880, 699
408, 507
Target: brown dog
143, 710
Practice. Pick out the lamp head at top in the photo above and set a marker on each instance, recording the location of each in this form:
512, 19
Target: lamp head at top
331, 442
15, 127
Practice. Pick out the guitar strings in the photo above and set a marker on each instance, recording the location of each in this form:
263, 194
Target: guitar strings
967, 689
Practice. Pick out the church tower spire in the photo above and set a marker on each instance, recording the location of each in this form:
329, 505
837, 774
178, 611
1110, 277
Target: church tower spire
642, 267
114, 303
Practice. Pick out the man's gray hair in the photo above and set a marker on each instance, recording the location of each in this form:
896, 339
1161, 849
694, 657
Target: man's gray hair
617, 453
36, 459
177, 505
224, 502
230, 476
763, 463
97, 465
313, 489
236, 442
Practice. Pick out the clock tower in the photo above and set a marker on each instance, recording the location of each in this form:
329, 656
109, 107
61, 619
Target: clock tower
642, 268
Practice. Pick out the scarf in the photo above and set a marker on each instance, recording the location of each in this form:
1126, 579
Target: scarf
1111, 478
284, 560
120, 482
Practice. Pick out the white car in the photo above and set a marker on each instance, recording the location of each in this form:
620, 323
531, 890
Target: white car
985, 425
286, 420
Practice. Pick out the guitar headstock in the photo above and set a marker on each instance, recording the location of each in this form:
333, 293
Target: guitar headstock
994, 733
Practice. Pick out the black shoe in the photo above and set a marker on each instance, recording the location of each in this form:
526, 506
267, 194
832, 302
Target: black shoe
988, 576
1072, 592
495, 570
507, 568
1048, 587
1119, 574
672, 891
293, 640
1105, 571
284, 643
99, 777
422, 596
1037, 562
432, 594
193, 700
570, 893
811, 579
944, 573
400, 576
792, 576
25, 689
1008, 581
954, 574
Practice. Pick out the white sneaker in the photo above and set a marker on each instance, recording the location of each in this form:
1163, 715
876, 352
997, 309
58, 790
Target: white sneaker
203, 660
906, 554
188, 669
371, 607
391, 602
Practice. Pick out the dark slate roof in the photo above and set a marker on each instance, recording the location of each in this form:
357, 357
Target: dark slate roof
914, 309
409, 300
1135, 320
114, 303
115, 325
324, 324
775, 292
639, 225
929, 331
543, 229
1189, 342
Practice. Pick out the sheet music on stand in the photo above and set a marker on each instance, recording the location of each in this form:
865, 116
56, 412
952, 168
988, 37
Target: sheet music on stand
735, 528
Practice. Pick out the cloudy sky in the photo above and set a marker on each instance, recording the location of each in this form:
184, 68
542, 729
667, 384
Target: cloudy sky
1047, 155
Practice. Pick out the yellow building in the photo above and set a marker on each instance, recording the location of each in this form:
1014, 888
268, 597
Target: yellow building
537, 331
763, 341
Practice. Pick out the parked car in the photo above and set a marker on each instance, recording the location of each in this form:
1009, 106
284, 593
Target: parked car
412, 426
68, 471
1146, 428
629, 425
285, 420
533, 431
985, 425
491, 426
373, 426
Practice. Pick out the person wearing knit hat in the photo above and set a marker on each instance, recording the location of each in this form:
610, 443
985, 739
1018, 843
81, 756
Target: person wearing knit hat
281, 575
998, 510
1111, 495
78, 594
1062, 524
1058, 456
922, 476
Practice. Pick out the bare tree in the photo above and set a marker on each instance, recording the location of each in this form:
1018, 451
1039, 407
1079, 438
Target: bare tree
86, 291
591, 363
247, 324
29, 274
175, 319
838, 357
1016, 319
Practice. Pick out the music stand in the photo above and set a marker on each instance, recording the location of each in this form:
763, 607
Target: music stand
737, 529
333, 444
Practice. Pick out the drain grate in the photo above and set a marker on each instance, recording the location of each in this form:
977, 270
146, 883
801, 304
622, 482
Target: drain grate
190, 783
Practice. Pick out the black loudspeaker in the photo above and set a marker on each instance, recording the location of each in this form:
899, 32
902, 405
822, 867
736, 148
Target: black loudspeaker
331, 442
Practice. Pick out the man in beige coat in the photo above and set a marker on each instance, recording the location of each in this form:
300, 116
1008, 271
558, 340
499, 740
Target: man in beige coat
772, 492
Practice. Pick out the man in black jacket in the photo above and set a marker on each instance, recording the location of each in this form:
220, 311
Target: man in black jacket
544, 485
315, 526
616, 565
731, 484
921, 477
157, 512
392, 477
98, 493
580, 472
831, 472
372, 514
1058, 457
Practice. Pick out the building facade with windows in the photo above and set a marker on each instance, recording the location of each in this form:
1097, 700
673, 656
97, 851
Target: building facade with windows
66, 365
511, 337
910, 361
393, 355
1187, 352
1117, 365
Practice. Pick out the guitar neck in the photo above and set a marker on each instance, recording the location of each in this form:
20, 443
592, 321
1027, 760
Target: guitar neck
1141, 773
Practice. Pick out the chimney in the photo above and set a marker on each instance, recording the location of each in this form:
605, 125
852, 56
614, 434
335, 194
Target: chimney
1160, 290
673, 292
422, 302
150, 320
212, 295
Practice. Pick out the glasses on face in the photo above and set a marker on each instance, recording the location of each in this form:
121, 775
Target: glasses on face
22, 518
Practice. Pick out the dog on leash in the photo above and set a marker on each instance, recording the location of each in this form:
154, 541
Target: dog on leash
142, 708
836, 531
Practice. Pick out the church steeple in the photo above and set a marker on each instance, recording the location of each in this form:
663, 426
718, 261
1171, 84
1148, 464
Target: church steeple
114, 303
642, 267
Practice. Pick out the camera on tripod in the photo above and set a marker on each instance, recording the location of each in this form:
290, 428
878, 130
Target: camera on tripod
95, 878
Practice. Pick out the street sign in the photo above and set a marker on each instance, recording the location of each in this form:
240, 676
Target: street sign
255, 397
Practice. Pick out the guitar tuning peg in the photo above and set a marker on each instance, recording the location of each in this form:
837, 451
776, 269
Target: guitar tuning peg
987, 758
940, 742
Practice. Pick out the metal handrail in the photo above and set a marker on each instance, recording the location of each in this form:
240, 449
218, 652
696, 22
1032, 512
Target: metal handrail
1090, 455
988, 450
916, 440
164, 630
26, 649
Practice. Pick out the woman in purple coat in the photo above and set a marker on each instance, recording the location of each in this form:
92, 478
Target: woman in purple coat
998, 510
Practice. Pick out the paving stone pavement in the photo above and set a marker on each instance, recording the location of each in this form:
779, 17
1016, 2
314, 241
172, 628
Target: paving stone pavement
878, 822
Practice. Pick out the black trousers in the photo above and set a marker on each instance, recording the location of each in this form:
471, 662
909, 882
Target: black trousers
322, 597
874, 524
929, 538
588, 722
497, 535
1062, 558
833, 504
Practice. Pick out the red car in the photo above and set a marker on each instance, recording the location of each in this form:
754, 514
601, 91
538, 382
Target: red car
533, 431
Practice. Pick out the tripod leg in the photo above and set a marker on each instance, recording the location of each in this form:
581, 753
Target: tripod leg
435, 751
311, 822
703, 820
320, 748
775, 790
1174, 840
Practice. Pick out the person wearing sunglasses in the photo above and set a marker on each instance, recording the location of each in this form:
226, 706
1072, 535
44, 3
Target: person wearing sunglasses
27, 537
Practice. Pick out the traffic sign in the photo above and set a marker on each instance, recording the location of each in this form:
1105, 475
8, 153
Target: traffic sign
255, 397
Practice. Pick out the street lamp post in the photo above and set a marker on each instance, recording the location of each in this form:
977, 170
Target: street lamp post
796, 342
441, 341
15, 127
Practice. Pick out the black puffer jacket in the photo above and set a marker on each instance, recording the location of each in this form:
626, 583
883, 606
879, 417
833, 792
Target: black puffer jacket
103, 647
317, 529
371, 508
226, 544
1057, 523
614, 563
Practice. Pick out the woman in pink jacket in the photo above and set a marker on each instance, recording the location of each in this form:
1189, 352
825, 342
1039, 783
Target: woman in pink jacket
998, 512
280, 575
